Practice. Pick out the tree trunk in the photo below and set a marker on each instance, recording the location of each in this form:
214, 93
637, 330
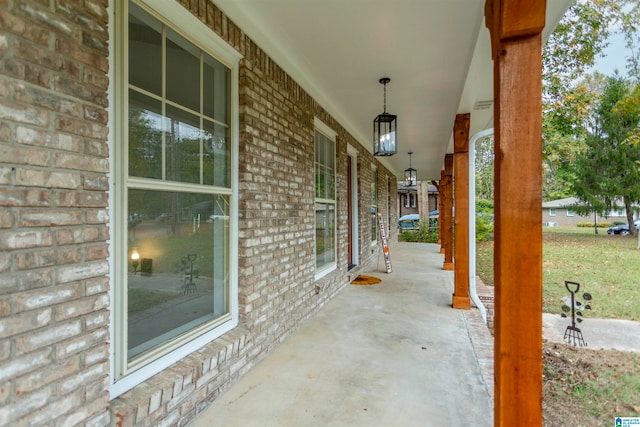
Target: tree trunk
632, 225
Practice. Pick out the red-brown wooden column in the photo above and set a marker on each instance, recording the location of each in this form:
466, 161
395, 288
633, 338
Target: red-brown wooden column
515, 28
446, 214
461, 298
440, 210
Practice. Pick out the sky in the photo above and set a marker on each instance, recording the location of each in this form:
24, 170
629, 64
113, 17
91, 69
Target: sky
614, 57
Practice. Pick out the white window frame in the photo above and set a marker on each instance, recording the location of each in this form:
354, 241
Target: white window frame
182, 21
355, 233
374, 218
570, 212
552, 212
325, 130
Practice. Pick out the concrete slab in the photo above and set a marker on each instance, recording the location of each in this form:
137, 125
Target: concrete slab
608, 334
390, 354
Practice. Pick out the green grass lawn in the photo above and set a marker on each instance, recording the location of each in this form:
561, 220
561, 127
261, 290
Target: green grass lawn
608, 267
143, 299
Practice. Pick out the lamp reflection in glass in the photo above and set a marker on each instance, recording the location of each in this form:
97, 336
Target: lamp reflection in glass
385, 127
410, 175
135, 260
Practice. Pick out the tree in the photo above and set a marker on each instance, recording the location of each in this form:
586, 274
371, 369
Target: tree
484, 169
630, 28
606, 171
569, 94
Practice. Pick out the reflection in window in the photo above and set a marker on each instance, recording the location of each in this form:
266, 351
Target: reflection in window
180, 278
183, 146
325, 201
145, 136
183, 135
374, 208
174, 281
215, 155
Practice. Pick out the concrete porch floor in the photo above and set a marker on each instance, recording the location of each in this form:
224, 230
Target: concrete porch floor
390, 354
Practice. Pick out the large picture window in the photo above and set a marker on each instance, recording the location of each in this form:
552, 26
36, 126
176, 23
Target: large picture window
325, 158
175, 279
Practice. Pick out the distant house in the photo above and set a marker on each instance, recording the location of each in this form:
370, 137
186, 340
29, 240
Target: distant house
418, 199
562, 212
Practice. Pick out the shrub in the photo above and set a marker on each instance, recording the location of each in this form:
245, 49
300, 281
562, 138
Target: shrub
424, 234
484, 220
484, 228
587, 224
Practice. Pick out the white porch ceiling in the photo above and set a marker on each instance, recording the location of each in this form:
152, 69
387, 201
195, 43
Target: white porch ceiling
436, 53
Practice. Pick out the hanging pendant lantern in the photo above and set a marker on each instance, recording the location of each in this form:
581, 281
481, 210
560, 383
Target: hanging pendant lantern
385, 127
410, 175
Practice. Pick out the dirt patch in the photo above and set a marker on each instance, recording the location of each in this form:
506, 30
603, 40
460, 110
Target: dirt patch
584, 387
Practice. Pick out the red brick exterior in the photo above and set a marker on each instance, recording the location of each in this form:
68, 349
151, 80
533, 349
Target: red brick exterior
54, 222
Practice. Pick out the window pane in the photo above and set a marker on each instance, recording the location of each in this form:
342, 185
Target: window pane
331, 191
145, 136
325, 234
325, 192
180, 277
145, 51
320, 151
183, 71
216, 89
325, 173
183, 146
331, 156
216, 155
374, 210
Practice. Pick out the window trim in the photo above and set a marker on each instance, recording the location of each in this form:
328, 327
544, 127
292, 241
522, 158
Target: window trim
355, 217
374, 225
319, 126
174, 15
552, 212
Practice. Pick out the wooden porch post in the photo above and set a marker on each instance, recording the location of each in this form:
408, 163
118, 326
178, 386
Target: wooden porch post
461, 298
446, 214
515, 28
441, 210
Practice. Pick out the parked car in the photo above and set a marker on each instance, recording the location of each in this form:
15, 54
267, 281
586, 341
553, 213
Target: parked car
622, 229
409, 222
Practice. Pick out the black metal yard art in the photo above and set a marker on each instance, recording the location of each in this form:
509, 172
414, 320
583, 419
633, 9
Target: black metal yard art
189, 270
573, 334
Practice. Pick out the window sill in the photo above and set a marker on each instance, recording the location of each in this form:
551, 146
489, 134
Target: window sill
177, 392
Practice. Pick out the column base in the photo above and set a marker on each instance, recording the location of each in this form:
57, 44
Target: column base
461, 303
447, 266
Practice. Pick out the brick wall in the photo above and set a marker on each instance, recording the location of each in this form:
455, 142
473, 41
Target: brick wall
54, 260
562, 219
53, 213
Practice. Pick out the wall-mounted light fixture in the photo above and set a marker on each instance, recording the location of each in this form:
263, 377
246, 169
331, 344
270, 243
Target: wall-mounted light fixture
135, 260
385, 128
410, 175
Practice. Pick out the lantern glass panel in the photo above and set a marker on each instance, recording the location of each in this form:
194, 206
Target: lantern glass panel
384, 135
410, 176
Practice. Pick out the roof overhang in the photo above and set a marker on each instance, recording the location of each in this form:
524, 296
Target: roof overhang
436, 53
